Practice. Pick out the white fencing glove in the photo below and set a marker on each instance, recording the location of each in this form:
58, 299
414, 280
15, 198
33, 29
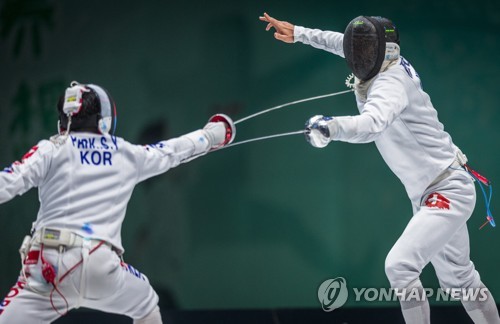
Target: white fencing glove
215, 133
318, 131
220, 131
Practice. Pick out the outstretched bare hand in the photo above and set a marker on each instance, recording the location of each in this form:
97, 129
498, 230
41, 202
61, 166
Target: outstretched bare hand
284, 30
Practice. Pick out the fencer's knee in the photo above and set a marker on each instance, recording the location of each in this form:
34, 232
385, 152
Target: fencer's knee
152, 318
464, 278
400, 273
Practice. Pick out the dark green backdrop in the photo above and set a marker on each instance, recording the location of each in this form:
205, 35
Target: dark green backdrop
259, 225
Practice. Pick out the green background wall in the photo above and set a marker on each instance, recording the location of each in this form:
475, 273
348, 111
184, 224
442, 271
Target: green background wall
259, 225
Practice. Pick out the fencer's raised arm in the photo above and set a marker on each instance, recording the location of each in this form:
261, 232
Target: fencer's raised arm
289, 33
322, 39
157, 158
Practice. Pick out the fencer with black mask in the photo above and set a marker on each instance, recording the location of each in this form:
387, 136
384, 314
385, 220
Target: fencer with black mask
397, 115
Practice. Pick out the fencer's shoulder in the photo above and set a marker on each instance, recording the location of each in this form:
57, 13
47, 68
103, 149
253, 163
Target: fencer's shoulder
42, 151
395, 71
406, 69
45, 146
130, 146
117, 141
398, 73
123, 141
393, 76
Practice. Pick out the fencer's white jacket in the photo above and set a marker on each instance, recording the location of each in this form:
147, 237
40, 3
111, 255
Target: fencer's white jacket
85, 183
397, 115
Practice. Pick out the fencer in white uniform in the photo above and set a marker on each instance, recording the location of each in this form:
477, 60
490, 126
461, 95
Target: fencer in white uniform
397, 115
85, 177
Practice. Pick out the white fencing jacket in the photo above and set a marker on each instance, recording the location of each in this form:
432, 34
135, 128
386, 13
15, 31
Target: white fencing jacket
85, 183
397, 115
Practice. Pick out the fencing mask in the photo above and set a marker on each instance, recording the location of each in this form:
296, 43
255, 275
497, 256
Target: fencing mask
365, 41
99, 115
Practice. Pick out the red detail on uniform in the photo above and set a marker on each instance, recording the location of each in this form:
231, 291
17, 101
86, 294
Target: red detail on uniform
479, 177
24, 158
13, 292
436, 200
32, 257
30, 153
48, 271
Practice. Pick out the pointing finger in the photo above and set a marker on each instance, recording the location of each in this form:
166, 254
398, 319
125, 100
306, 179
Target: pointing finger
269, 18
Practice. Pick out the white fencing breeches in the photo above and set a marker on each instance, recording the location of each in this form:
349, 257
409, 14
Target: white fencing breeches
110, 285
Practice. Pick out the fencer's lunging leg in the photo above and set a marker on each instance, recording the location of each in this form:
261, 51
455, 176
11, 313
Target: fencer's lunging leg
427, 233
483, 312
152, 318
405, 278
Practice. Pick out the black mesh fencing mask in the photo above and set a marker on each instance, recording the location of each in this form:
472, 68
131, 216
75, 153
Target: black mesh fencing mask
364, 44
